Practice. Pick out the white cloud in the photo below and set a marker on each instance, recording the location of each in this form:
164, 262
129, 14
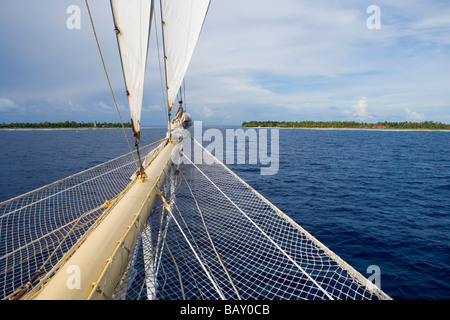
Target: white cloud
154, 108
208, 112
414, 116
304, 55
6, 104
360, 110
103, 106
287, 58
296, 38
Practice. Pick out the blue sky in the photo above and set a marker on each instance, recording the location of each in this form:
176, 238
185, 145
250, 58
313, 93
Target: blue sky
280, 60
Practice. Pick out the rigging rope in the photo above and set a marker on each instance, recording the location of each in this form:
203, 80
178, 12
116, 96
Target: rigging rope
209, 237
184, 95
109, 82
74, 183
160, 71
263, 232
180, 278
200, 252
169, 210
22, 290
165, 67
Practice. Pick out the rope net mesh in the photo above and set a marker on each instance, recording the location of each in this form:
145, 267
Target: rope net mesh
211, 236
38, 228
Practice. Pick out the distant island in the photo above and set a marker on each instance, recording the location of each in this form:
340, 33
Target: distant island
61, 125
426, 125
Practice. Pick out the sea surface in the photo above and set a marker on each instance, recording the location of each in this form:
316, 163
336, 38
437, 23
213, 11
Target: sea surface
374, 197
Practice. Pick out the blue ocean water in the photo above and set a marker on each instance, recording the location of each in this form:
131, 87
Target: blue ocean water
373, 197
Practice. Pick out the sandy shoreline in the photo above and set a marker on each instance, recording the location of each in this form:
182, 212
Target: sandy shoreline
43, 129
356, 129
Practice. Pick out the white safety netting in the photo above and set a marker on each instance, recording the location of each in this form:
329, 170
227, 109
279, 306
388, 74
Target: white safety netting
38, 228
211, 236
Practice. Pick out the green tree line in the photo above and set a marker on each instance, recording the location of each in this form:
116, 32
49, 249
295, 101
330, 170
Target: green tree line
66, 124
348, 125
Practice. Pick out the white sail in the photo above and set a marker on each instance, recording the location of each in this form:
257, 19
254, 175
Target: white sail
188, 231
132, 19
182, 23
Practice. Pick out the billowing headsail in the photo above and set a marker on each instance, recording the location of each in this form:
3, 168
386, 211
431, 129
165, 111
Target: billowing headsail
182, 23
132, 19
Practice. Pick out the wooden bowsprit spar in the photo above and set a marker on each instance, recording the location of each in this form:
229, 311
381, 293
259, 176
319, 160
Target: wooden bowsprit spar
96, 266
